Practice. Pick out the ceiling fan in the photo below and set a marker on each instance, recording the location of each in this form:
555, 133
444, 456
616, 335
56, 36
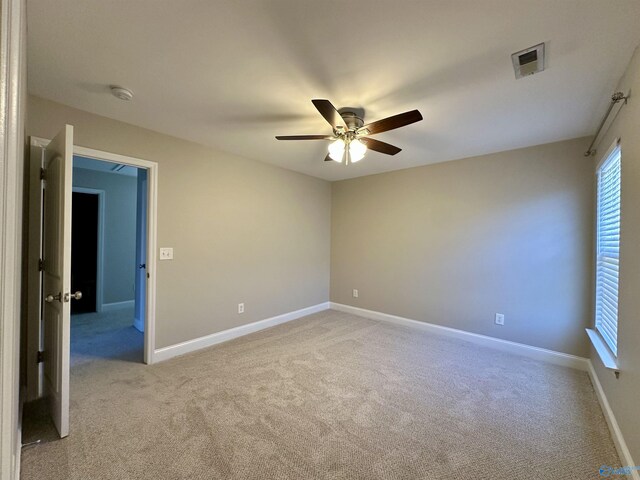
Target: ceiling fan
350, 136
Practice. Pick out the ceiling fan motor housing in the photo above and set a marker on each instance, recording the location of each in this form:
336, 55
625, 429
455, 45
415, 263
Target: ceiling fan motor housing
352, 120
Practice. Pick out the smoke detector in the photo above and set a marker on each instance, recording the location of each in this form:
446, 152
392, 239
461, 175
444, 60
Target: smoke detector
121, 93
528, 61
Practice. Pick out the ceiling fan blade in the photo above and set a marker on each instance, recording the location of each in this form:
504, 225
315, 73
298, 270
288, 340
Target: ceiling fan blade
330, 114
391, 123
304, 137
379, 146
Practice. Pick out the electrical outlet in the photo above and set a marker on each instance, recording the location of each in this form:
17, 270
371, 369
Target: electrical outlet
166, 254
241, 308
355, 293
499, 319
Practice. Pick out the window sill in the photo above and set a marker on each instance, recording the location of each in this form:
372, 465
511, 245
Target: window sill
608, 359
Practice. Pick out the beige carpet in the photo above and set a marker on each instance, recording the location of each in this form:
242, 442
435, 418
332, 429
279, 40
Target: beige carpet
106, 335
330, 396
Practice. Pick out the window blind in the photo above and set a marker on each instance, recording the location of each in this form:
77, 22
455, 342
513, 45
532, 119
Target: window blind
608, 249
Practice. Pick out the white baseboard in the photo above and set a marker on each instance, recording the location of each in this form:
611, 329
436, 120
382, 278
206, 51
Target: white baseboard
614, 428
138, 324
166, 353
109, 307
537, 353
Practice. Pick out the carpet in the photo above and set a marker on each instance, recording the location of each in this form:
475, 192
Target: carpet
329, 396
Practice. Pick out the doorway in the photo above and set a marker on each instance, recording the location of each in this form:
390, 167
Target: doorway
109, 225
85, 210
144, 248
49, 294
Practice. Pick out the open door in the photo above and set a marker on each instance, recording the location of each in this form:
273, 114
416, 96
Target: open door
56, 238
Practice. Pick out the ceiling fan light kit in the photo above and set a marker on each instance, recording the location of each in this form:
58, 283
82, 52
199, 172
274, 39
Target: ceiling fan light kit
336, 150
350, 139
356, 151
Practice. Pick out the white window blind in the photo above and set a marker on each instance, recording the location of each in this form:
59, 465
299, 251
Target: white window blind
608, 249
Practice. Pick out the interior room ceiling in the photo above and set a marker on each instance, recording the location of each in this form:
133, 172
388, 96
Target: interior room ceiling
232, 74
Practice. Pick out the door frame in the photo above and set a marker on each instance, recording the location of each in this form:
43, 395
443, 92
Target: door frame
100, 260
34, 371
12, 146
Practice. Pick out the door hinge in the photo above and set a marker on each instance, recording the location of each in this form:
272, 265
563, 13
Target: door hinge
40, 357
43, 174
41, 264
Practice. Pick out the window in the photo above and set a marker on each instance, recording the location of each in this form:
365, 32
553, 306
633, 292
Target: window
608, 248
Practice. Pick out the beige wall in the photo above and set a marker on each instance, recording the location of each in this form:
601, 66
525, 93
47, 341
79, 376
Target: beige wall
624, 393
242, 231
456, 242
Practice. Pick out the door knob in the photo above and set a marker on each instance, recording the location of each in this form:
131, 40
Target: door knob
50, 298
75, 296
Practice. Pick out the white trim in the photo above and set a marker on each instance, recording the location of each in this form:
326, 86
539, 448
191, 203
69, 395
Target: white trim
537, 353
614, 428
606, 355
189, 346
152, 233
12, 106
614, 145
101, 155
110, 307
152, 240
101, 219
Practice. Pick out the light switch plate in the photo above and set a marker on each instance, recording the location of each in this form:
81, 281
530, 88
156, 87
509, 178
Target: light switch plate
166, 254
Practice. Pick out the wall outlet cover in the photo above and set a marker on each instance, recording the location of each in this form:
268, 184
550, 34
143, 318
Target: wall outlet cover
355, 293
499, 319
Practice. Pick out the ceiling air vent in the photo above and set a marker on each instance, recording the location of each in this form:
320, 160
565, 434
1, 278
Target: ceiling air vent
528, 61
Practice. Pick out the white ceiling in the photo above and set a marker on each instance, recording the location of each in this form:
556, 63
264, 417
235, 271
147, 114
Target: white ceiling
232, 74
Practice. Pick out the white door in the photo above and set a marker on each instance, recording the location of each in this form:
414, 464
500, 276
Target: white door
57, 275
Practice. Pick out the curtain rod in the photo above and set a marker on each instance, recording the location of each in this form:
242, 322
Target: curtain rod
615, 98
